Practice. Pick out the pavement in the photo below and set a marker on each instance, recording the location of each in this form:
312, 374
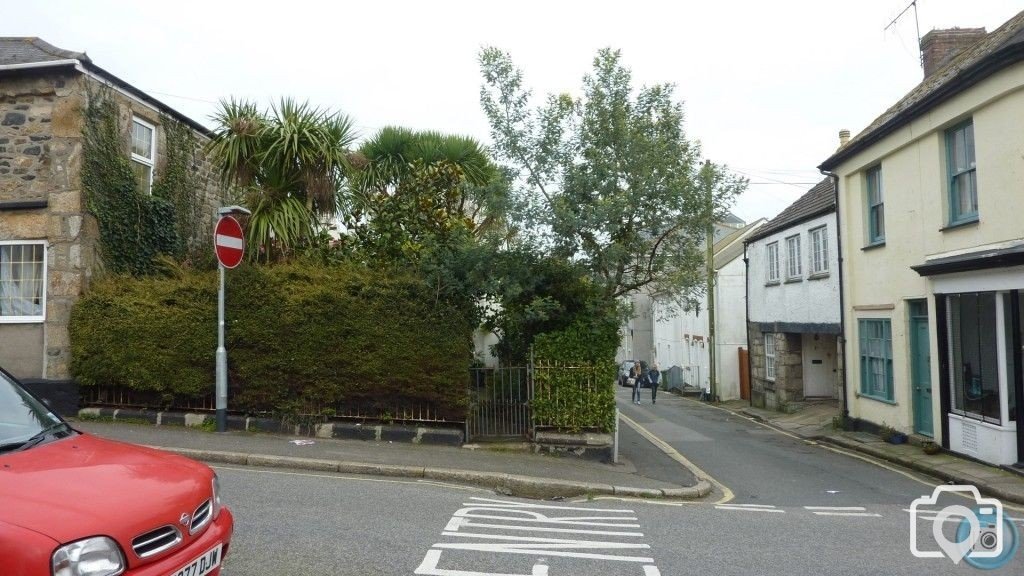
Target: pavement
814, 422
508, 469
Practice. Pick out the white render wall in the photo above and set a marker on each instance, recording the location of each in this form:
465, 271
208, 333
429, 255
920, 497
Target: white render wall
812, 301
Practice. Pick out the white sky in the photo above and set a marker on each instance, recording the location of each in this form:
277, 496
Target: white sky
766, 84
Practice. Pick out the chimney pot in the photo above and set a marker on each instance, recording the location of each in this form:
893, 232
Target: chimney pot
939, 47
844, 137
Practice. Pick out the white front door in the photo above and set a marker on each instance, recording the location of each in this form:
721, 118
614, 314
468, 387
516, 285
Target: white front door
819, 360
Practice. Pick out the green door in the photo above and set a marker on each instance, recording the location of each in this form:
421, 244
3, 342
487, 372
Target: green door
921, 368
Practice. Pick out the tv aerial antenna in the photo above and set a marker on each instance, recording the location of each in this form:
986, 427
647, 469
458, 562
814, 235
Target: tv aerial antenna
917, 27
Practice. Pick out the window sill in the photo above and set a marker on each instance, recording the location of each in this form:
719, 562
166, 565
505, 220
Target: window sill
794, 280
21, 320
818, 276
962, 224
772, 283
874, 245
877, 399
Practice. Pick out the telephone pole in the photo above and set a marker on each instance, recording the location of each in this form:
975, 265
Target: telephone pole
708, 182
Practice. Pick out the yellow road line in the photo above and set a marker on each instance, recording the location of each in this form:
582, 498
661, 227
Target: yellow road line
870, 460
672, 453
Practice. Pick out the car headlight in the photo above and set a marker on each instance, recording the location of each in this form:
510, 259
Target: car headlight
216, 495
97, 556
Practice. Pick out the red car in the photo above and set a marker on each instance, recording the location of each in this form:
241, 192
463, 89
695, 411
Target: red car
72, 504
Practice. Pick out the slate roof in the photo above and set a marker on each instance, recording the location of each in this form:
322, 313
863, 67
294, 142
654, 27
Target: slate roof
998, 49
29, 50
817, 201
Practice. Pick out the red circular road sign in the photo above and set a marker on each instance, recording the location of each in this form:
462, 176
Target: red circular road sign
228, 242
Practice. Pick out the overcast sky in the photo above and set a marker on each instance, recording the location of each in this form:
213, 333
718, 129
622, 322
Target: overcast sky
766, 85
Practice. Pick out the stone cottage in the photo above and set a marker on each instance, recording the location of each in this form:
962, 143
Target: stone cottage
49, 243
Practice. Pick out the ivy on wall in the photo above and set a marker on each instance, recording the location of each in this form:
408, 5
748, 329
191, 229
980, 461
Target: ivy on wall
134, 228
177, 183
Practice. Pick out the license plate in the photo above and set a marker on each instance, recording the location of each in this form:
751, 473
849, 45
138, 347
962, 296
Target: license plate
202, 565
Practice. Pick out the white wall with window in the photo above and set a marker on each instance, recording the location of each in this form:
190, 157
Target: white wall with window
811, 298
143, 153
794, 259
22, 281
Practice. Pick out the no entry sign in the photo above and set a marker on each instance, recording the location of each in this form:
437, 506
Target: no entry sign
228, 242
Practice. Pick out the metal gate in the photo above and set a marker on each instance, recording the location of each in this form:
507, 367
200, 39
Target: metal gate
499, 403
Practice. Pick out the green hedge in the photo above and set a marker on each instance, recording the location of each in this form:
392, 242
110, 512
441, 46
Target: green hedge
575, 374
300, 338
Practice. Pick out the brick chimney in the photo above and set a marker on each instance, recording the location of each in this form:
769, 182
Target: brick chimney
938, 47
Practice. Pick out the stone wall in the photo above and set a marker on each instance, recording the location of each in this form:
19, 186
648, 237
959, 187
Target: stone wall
40, 160
788, 385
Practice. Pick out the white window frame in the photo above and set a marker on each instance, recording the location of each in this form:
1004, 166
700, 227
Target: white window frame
794, 266
818, 253
773, 261
150, 162
769, 356
41, 317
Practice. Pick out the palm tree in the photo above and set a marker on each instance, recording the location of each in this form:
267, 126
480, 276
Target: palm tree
381, 164
290, 163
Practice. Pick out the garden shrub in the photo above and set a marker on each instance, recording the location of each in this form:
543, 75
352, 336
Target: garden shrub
575, 373
300, 339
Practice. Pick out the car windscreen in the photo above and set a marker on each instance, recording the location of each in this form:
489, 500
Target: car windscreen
21, 415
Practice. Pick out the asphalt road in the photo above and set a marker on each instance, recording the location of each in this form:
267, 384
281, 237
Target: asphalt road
763, 466
796, 508
301, 523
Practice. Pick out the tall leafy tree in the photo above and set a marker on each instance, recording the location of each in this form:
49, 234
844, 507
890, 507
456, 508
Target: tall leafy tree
608, 180
290, 163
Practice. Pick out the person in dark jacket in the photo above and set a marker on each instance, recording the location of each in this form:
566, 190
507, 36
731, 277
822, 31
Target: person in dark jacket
639, 378
653, 377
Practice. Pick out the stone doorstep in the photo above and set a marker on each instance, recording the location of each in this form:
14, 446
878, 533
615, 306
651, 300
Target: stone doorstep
342, 430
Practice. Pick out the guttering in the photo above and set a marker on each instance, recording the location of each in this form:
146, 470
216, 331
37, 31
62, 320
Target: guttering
842, 304
100, 75
34, 65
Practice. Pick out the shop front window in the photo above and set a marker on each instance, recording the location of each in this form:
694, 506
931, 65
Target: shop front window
973, 355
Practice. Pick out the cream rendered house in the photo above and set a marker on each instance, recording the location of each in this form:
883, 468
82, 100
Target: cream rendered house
931, 212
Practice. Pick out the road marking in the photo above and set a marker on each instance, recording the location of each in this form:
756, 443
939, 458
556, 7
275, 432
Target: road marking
837, 508
752, 505
672, 453
512, 528
880, 464
747, 508
858, 514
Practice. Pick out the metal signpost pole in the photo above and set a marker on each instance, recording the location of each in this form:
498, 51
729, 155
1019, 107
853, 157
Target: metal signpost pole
229, 246
222, 360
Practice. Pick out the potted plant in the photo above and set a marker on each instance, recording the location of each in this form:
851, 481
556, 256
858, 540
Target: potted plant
931, 448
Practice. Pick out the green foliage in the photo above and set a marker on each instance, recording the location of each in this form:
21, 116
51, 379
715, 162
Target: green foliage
134, 228
574, 398
290, 162
537, 295
178, 183
575, 374
609, 180
301, 339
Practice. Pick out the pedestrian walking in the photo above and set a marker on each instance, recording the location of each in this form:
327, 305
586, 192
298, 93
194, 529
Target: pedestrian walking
636, 374
654, 376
